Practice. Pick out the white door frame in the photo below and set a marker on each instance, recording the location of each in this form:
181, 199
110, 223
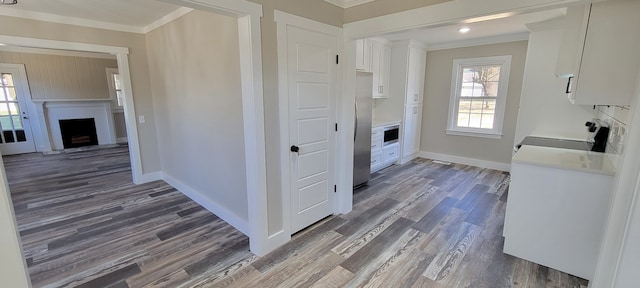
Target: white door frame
283, 20
123, 67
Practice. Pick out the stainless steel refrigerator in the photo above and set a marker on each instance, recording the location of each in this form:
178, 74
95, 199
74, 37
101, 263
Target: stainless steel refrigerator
362, 139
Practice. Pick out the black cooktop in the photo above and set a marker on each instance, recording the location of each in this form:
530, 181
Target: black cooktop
556, 143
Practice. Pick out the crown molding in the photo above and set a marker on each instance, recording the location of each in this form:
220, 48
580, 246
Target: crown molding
167, 19
96, 24
70, 20
348, 3
71, 53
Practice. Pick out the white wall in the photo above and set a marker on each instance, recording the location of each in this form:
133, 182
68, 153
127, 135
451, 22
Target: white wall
544, 108
195, 75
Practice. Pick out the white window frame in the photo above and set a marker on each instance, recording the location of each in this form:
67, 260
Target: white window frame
501, 99
115, 106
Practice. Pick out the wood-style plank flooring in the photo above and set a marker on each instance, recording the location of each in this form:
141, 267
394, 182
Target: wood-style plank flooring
423, 224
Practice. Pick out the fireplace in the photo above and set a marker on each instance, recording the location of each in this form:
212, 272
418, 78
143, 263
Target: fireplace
78, 132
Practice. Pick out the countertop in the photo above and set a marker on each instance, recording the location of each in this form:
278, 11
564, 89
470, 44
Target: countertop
382, 123
583, 161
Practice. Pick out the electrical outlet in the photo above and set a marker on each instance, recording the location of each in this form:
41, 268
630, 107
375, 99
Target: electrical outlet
141, 119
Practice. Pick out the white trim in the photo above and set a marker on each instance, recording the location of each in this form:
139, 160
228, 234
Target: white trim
40, 16
348, 3
235, 8
166, 19
524, 36
61, 45
283, 20
473, 134
149, 177
31, 50
40, 101
214, 207
283, 106
122, 140
501, 97
466, 161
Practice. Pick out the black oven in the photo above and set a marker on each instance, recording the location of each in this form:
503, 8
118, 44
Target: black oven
391, 134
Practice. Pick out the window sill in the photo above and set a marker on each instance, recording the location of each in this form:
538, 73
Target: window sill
474, 134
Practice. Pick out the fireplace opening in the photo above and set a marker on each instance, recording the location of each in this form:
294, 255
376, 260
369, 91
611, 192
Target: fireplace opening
78, 132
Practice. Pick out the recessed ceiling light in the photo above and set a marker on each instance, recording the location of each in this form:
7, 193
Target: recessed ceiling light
464, 29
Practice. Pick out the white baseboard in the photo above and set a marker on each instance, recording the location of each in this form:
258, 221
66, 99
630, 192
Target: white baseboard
466, 161
149, 177
406, 159
215, 208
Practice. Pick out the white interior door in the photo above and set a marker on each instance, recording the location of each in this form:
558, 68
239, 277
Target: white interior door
16, 134
311, 83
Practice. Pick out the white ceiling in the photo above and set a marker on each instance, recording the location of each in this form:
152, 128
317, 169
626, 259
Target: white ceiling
124, 15
141, 16
511, 27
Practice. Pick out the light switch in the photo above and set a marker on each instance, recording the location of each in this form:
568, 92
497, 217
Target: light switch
141, 119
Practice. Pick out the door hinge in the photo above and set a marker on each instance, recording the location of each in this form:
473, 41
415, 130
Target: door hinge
337, 59
335, 188
336, 127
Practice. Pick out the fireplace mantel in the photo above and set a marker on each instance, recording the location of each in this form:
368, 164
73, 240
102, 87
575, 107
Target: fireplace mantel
51, 111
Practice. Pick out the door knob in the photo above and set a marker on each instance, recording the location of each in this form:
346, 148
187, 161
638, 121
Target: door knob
295, 148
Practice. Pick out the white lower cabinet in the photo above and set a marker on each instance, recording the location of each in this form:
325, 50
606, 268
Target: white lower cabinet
382, 156
390, 154
376, 160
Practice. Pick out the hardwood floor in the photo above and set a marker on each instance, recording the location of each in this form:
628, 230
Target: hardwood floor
424, 224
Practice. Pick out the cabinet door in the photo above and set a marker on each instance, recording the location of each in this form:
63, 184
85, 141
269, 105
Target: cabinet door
376, 65
421, 63
415, 75
385, 71
363, 55
610, 59
412, 129
573, 34
390, 154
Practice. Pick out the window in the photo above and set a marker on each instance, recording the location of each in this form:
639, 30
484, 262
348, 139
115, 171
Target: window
478, 96
115, 88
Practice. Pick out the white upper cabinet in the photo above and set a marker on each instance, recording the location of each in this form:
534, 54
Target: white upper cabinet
605, 69
363, 55
381, 67
575, 30
611, 58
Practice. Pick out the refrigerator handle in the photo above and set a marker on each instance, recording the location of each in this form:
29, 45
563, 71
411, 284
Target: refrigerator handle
355, 124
